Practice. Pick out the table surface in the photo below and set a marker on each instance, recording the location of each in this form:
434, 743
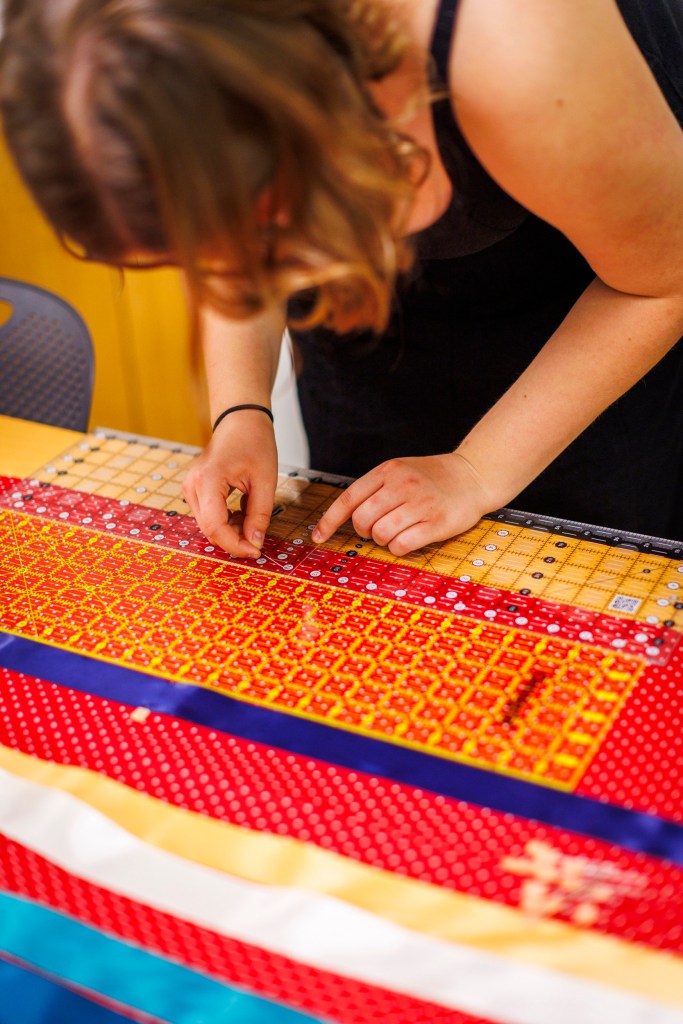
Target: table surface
24, 445
331, 784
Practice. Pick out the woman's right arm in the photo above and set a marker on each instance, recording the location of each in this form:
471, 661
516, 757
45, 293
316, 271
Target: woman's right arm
241, 359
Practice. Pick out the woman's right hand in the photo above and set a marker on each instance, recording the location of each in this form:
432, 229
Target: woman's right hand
242, 456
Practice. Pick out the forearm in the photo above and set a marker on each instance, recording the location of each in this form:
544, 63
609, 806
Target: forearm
606, 344
241, 358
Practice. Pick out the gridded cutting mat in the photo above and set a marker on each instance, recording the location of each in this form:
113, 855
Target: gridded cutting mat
126, 469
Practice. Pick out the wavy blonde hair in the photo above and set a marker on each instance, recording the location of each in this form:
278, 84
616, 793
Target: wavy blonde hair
239, 130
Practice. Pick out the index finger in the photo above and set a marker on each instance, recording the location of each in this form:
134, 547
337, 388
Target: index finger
343, 507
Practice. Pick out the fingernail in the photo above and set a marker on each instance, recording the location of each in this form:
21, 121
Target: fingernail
258, 538
316, 536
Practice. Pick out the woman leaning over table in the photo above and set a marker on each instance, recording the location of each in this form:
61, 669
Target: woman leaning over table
470, 214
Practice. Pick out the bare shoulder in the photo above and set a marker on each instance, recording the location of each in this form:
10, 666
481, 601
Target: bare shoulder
507, 51
557, 102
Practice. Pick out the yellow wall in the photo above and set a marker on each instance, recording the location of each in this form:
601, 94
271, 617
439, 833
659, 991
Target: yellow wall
138, 323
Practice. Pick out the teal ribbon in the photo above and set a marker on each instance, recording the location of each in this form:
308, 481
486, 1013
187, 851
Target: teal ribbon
133, 978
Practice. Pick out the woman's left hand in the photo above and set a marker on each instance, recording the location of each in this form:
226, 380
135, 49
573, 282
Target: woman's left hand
405, 504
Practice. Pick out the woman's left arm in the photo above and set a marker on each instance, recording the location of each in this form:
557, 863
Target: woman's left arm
559, 105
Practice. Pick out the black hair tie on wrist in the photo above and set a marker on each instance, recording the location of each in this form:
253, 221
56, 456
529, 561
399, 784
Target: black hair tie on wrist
238, 408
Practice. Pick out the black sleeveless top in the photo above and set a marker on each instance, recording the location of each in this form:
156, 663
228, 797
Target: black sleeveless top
491, 284
480, 212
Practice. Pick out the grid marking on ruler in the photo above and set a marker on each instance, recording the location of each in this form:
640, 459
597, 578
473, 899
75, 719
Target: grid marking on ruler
512, 558
297, 558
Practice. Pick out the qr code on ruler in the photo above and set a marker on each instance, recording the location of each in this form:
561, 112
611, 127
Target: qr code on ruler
623, 603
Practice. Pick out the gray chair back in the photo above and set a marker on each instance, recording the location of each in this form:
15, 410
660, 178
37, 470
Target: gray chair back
47, 362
